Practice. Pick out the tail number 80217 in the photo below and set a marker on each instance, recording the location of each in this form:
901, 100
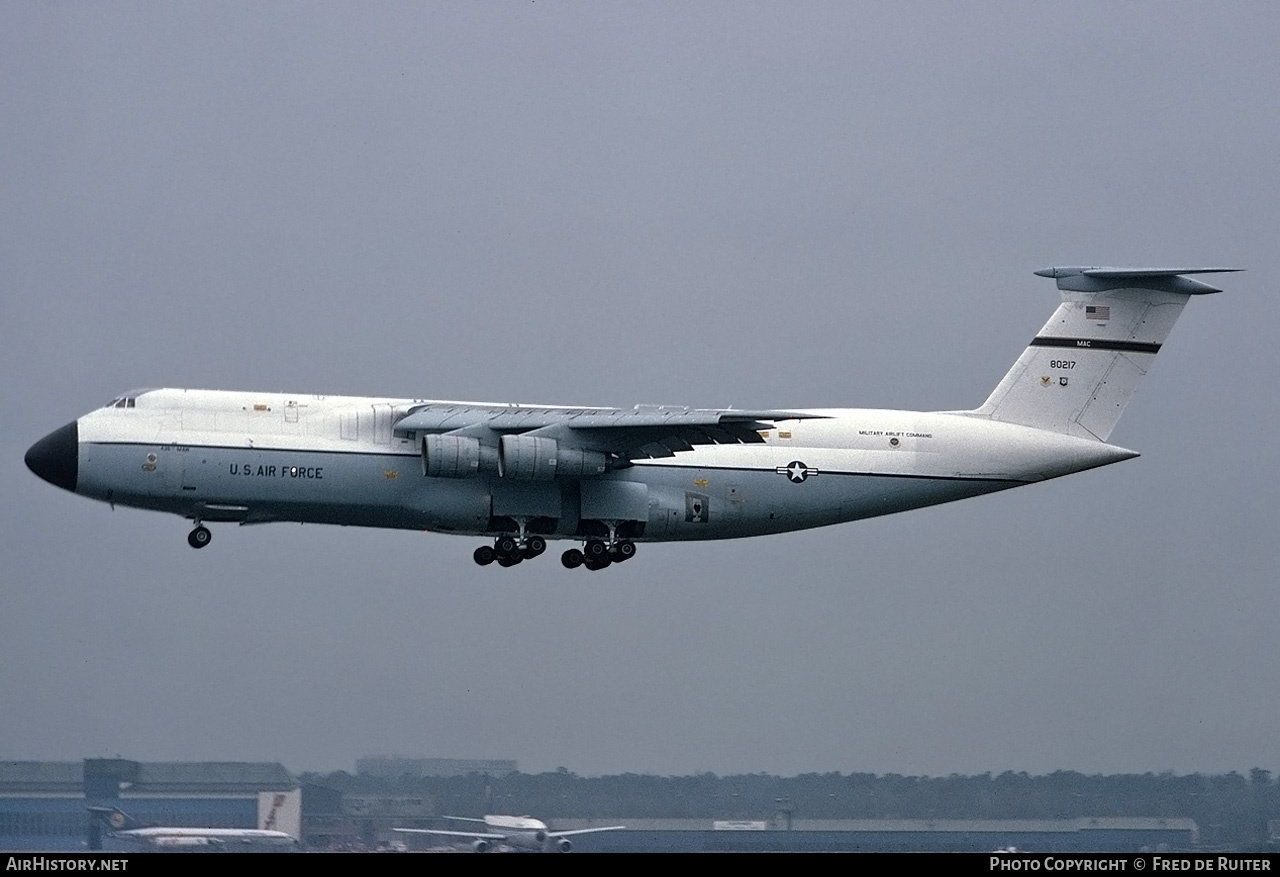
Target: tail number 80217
1062, 363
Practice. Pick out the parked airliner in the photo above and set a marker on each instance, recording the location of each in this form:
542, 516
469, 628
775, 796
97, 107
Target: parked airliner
518, 832
125, 827
611, 478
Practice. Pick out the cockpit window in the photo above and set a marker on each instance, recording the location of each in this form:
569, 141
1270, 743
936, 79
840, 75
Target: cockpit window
128, 400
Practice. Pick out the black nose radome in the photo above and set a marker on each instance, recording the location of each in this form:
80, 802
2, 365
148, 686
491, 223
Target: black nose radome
55, 458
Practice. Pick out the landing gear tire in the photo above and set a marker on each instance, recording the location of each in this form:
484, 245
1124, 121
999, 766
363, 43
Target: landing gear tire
199, 537
597, 564
509, 561
623, 551
534, 546
595, 550
506, 546
572, 559
484, 555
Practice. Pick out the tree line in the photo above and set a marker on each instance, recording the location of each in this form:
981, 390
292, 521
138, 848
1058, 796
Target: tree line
1230, 809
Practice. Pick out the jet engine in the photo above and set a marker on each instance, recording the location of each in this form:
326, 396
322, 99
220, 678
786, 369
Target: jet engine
517, 457
527, 458
577, 463
456, 456
186, 842
562, 845
532, 458
480, 845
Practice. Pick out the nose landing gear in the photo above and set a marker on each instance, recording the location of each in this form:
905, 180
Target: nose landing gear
199, 537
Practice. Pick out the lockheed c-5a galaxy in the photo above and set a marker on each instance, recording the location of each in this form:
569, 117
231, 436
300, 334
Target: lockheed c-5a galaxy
519, 475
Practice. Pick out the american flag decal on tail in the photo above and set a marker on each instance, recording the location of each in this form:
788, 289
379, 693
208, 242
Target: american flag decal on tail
1101, 312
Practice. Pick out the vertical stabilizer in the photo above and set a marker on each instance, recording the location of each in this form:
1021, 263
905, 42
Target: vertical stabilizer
1082, 368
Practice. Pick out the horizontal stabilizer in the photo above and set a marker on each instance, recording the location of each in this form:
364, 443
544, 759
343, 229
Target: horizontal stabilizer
1082, 278
1131, 272
115, 818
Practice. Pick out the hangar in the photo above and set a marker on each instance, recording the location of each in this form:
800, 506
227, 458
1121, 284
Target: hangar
42, 803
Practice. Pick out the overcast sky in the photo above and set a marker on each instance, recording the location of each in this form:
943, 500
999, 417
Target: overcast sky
760, 205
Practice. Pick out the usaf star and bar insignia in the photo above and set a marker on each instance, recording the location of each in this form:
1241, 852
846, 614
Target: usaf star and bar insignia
796, 471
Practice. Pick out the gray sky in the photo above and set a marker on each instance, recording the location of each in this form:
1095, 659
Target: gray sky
763, 205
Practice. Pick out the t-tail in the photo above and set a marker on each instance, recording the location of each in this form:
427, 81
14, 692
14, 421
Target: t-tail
1080, 371
115, 818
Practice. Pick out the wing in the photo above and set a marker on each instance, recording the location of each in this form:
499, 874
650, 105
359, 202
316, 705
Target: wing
638, 434
586, 830
617, 435
473, 835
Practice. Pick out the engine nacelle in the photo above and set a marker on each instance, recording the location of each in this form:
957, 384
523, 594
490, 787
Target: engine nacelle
563, 845
455, 456
480, 845
532, 458
168, 842
577, 463
527, 458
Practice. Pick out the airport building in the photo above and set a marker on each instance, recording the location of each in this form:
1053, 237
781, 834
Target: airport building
43, 803
397, 766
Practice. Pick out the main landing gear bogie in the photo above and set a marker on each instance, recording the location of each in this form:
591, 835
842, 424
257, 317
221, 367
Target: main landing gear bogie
596, 554
508, 551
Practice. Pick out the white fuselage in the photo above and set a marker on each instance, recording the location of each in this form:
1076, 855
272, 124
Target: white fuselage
258, 457
182, 837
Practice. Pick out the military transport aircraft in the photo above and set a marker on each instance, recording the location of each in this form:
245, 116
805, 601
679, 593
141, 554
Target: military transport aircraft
611, 478
517, 832
125, 827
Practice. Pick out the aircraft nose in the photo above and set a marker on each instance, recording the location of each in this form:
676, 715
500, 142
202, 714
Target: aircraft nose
55, 458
